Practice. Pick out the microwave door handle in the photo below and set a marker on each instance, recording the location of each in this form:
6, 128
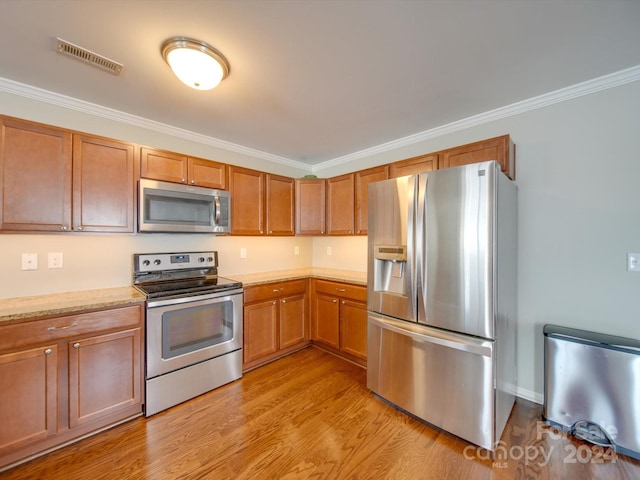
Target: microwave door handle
217, 214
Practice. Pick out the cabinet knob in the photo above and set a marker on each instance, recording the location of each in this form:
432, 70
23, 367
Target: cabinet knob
184, 180
284, 301
48, 351
193, 182
76, 345
79, 227
274, 302
64, 228
270, 232
334, 300
343, 302
341, 289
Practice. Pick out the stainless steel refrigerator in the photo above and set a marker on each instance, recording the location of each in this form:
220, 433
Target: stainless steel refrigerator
442, 298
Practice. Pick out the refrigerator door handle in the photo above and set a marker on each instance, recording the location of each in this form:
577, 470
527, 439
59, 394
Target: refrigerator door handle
420, 239
434, 336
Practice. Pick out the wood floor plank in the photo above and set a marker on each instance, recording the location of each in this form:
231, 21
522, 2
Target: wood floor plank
311, 416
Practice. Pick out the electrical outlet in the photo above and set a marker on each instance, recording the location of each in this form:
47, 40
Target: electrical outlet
329, 252
633, 262
243, 252
55, 260
296, 250
29, 261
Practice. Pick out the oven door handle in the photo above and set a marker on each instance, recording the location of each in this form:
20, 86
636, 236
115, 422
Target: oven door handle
192, 298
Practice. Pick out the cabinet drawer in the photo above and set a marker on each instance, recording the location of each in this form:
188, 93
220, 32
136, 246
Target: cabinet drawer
260, 293
344, 290
68, 326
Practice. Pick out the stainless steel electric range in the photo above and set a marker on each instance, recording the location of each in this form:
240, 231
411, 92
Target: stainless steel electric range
193, 326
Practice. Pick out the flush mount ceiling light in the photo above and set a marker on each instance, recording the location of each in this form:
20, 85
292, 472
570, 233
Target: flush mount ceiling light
197, 64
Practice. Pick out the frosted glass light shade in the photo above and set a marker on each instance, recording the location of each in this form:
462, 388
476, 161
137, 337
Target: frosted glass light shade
195, 63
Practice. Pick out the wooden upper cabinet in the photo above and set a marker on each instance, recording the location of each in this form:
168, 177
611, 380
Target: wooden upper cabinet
280, 204
104, 179
310, 206
178, 168
500, 149
206, 173
363, 179
340, 205
35, 176
414, 165
247, 201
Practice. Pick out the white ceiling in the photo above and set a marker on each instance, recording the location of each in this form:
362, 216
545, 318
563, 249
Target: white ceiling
313, 80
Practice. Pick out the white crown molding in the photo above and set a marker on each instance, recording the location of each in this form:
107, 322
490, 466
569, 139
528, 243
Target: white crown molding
585, 88
45, 96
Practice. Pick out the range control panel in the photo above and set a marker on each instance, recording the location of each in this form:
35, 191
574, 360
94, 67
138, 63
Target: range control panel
155, 262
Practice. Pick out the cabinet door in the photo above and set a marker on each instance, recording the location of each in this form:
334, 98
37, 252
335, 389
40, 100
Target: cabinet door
340, 205
293, 324
326, 320
28, 403
353, 328
279, 205
363, 179
163, 166
413, 166
206, 173
500, 149
310, 206
104, 173
35, 176
260, 330
104, 375
247, 201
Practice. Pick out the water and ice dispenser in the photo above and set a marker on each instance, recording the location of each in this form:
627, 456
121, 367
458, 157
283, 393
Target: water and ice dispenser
390, 268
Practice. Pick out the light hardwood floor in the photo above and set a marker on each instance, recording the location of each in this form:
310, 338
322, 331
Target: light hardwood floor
310, 416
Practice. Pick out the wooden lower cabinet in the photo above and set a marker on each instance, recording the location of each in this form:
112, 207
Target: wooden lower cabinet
65, 377
28, 397
276, 321
339, 318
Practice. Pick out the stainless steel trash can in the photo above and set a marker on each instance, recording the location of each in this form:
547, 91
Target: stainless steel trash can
592, 387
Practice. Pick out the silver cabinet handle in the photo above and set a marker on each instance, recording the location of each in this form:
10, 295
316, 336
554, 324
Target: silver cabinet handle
76, 345
48, 351
51, 329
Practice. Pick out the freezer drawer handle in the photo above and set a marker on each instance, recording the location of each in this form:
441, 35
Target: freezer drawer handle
438, 338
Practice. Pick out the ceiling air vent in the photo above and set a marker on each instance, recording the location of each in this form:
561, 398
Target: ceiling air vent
86, 56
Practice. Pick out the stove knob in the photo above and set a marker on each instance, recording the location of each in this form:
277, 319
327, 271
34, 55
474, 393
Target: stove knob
146, 263
201, 259
157, 261
210, 259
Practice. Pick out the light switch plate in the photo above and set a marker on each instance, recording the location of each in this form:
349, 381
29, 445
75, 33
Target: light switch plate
633, 262
29, 261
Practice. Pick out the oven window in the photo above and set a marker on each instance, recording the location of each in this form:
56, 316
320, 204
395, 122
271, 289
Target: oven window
189, 329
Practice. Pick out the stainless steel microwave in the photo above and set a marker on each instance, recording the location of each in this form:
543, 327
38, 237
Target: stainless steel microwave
172, 207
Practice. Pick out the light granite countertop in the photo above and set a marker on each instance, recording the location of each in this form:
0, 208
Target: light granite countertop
248, 280
40, 306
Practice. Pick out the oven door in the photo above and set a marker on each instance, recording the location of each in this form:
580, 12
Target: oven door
186, 331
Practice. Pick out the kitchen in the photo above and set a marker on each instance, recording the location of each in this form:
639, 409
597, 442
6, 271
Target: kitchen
572, 244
